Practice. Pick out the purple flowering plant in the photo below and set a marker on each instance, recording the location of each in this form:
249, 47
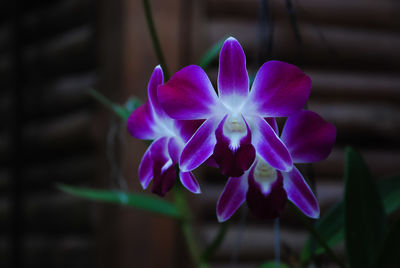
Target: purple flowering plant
234, 128
238, 132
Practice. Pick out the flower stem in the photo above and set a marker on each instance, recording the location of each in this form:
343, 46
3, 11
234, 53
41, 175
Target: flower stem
217, 241
185, 223
310, 227
277, 244
154, 38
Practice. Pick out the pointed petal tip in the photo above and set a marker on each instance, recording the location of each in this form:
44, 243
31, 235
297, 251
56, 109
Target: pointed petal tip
144, 185
189, 181
231, 38
315, 216
220, 218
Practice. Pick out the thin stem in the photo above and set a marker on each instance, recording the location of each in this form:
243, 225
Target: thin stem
154, 38
277, 243
239, 236
102, 99
212, 248
310, 227
185, 223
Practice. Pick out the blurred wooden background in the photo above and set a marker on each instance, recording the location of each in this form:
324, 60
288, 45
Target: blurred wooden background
53, 52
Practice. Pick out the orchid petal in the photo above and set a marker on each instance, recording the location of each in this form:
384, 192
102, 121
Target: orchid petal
267, 205
187, 128
279, 89
189, 181
141, 123
164, 172
272, 122
189, 94
232, 197
156, 79
233, 161
163, 180
174, 149
233, 79
308, 137
200, 146
270, 147
300, 194
146, 168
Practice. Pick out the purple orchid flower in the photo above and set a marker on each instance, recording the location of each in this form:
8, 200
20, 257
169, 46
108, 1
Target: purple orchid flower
234, 127
309, 138
150, 122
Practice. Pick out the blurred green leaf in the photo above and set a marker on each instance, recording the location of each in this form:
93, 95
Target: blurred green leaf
122, 111
132, 104
330, 226
273, 264
364, 215
389, 189
389, 256
145, 202
211, 54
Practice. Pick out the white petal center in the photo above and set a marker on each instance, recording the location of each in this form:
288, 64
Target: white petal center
264, 174
235, 129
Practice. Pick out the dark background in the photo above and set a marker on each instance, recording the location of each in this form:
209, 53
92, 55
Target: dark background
53, 52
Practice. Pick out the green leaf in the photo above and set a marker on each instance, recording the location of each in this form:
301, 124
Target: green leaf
364, 215
389, 256
122, 111
132, 104
389, 189
273, 264
211, 54
330, 226
141, 201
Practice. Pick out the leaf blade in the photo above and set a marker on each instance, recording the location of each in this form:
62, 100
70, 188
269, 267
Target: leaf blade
141, 201
330, 225
364, 215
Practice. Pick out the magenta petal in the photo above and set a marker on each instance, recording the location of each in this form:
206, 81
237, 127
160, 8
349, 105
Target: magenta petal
146, 169
156, 79
308, 137
266, 206
163, 180
141, 122
187, 128
200, 146
233, 163
189, 94
174, 149
300, 193
189, 181
232, 197
211, 162
164, 171
270, 147
272, 122
232, 77
279, 89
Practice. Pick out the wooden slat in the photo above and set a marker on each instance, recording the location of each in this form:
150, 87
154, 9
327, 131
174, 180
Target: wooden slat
341, 47
68, 52
72, 170
53, 19
66, 135
357, 86
257, 242
357, 13
55, 98
362, 122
